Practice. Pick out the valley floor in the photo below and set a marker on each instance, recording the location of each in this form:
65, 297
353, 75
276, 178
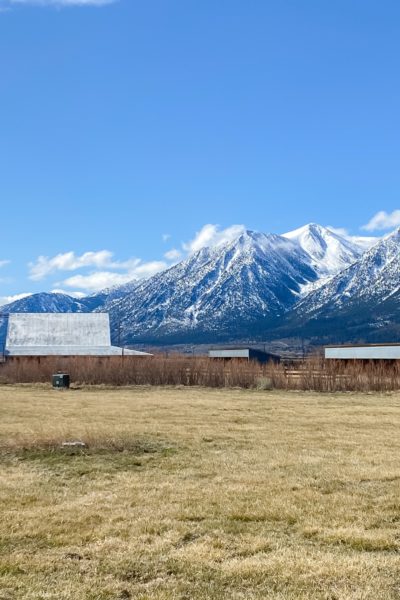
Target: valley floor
198, 494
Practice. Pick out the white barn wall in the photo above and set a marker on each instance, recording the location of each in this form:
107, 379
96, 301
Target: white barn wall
58, 329
61, 334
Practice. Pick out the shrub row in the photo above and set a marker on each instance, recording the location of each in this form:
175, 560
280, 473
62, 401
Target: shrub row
310, 374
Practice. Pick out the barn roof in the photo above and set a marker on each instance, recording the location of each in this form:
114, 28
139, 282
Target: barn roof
65, 334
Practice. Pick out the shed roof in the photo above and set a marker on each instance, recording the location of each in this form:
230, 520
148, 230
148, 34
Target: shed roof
367, 352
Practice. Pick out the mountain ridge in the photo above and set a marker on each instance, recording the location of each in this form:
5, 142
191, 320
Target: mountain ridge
255, 285
365, 297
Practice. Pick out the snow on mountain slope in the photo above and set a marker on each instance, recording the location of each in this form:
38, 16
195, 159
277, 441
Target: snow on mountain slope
366, 294
238, 289
329, 252
220, 290
43, 302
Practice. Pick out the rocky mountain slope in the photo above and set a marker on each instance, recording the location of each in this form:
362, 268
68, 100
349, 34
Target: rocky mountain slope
46, 302
217, 292
246, 288
361, 302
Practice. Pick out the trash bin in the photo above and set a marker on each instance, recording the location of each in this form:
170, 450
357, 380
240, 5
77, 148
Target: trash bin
60, 381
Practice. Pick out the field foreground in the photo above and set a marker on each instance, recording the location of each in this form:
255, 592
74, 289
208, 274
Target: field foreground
198, 494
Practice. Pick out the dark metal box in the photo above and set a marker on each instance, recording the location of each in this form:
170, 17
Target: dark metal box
60, 380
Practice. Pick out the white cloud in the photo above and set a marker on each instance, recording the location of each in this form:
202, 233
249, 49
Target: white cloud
106, 271
94, 282
173, 254
383, 220
69, 261
3, 263
213, 236
166, 237
99, 280
7, 299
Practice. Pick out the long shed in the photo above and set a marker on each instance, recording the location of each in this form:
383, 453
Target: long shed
363, 352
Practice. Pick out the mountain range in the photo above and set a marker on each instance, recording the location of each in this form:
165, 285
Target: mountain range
361, 302
312, 282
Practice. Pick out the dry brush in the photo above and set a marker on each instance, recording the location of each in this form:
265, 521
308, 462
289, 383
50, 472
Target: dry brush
309, 374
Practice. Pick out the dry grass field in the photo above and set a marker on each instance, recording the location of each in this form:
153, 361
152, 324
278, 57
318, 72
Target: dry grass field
189, 493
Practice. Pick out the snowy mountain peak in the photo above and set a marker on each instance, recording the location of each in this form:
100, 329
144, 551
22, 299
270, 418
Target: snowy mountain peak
329, 252
256, 242
232, 286
385, 251
364, 297
244, 285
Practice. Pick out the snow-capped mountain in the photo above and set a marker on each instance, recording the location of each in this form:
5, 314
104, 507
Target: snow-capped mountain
237, 289
256, 285
44, 302
329, 252
219, 291
364, 298
58, 303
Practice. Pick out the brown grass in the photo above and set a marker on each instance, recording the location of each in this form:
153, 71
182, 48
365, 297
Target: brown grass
311, 374
188, 493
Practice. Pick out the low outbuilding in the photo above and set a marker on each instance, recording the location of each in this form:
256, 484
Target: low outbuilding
243, 354
363, 352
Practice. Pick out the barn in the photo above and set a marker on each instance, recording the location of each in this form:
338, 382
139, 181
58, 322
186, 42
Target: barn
61, 334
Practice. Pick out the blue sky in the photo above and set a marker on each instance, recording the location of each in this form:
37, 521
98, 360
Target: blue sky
126, 127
